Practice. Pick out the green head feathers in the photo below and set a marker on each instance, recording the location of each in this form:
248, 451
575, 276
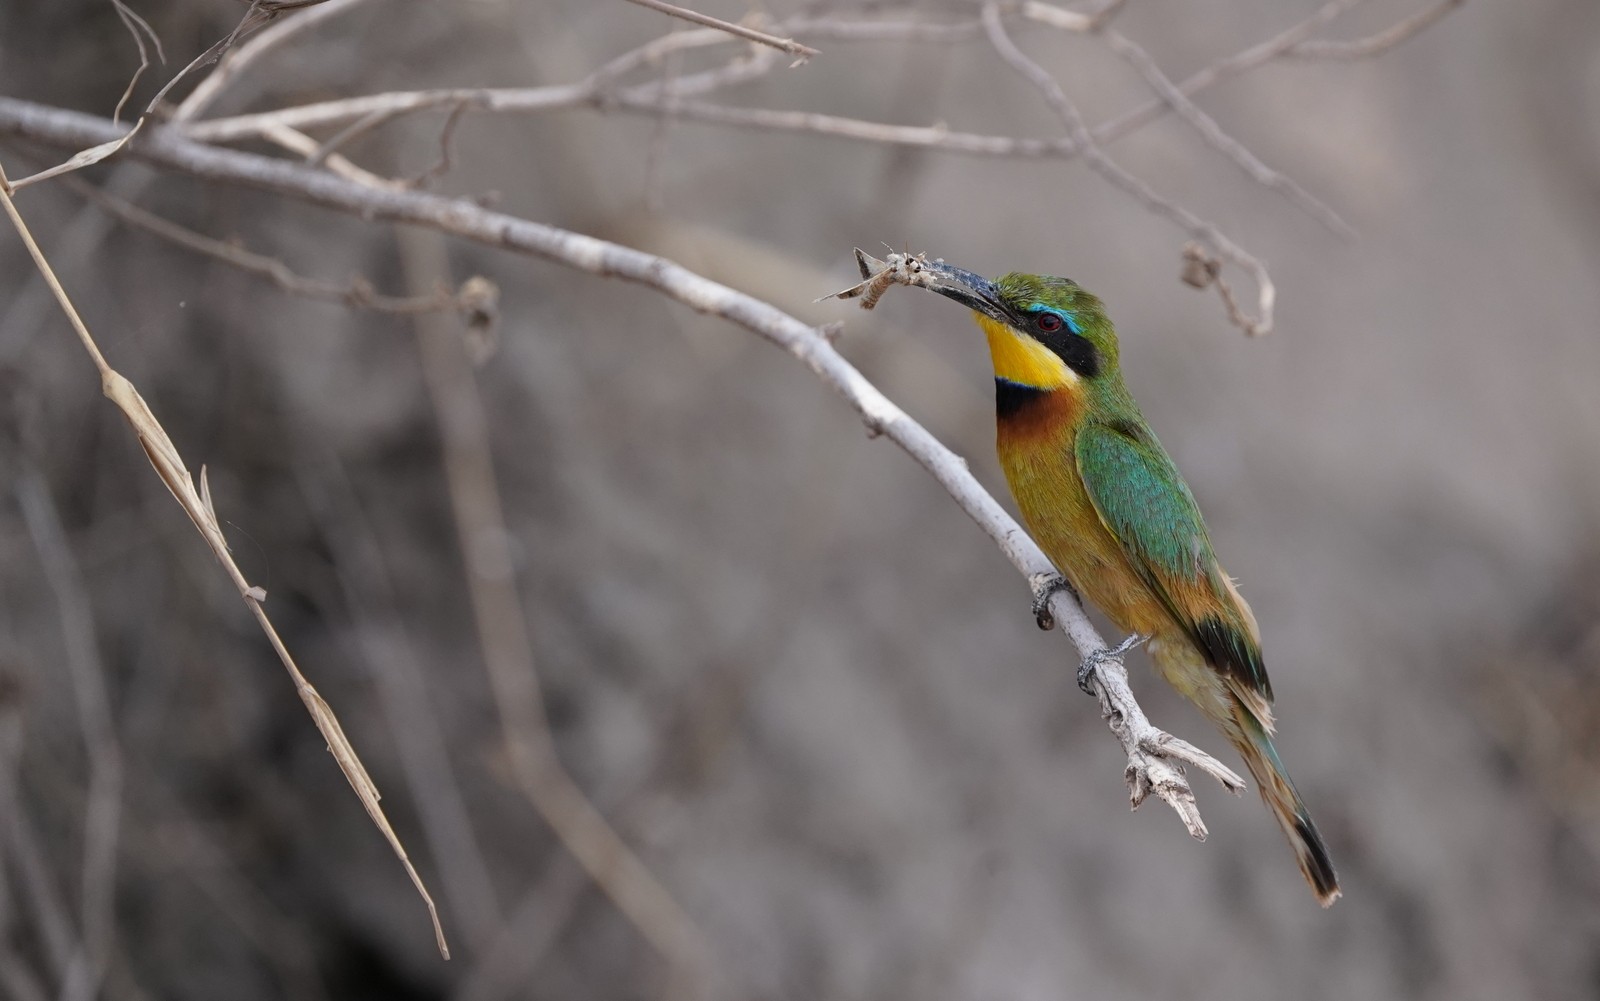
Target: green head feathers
1056, 313
1063, 317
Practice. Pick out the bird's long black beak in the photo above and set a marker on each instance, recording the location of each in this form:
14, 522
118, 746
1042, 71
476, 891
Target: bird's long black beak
973, 291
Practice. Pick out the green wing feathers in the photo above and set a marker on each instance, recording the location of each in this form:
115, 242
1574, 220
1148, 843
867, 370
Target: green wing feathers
1142, 500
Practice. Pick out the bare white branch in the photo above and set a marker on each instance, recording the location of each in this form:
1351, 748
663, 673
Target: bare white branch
1151, 752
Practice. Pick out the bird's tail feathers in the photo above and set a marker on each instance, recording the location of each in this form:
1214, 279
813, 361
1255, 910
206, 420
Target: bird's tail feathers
1254, 743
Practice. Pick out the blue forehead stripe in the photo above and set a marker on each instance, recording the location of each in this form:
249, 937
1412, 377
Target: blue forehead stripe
1072, 324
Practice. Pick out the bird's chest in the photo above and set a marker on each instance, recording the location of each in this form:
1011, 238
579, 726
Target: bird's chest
1036, 448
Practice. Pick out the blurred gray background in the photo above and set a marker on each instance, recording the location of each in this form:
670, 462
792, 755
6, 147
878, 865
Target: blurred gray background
799, 682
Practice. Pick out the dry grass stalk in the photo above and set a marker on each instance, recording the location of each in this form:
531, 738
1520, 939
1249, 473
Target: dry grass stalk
169, 465
506, 639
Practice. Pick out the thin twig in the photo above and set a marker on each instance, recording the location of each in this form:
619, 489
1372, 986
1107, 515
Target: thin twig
656, 150
359, 127
94, 154
507, 644
532, 930
1135, 56
655, 99
446, 161
140, 29
463, 219
1376, 43
1072, 20
103, 815
296, 141
356, 292
654, 53
169, 839
885, 29
24, 847
932, 137
942, 138
789, 45
1114, 173
233, 65
596, 90
1225, 69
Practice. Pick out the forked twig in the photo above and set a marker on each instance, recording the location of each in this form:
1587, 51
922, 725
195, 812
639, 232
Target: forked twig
1119, 177
1209, 130
789, 45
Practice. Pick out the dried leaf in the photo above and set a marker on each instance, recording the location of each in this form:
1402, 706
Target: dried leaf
78, 161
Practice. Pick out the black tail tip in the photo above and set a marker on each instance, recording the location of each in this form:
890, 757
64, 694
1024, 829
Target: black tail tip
1315, 862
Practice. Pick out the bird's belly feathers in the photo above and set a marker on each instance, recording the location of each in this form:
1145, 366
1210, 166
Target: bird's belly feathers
1036, 453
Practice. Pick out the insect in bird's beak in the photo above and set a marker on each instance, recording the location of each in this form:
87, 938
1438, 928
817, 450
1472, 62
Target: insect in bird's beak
973, 291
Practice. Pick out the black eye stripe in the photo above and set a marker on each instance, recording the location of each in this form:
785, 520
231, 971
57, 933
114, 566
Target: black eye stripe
1058, 330
1078, 352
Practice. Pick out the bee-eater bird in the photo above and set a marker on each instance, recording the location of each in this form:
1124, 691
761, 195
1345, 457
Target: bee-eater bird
1107, 505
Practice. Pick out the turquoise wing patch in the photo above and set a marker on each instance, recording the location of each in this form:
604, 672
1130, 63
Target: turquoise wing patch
1142, 499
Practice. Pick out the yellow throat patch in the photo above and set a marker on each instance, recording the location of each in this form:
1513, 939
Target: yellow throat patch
1020, 359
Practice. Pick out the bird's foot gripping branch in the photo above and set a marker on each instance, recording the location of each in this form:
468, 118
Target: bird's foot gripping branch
1045, 588
1091, 664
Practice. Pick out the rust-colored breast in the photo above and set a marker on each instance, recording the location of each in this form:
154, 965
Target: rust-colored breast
1027, 413
1035, 441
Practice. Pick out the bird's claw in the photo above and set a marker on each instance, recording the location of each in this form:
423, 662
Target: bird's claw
1045, 587
1092, 662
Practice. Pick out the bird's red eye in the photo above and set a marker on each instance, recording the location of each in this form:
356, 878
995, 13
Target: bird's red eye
1050, 322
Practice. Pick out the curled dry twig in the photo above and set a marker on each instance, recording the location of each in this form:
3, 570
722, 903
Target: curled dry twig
141, 31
